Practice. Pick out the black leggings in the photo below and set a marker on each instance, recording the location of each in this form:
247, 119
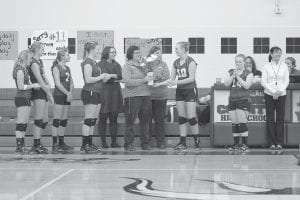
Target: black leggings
113, 116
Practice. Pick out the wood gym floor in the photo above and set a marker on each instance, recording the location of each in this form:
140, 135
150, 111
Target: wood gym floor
157, 174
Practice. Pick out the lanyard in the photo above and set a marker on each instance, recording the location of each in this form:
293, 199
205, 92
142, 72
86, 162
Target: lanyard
276, 74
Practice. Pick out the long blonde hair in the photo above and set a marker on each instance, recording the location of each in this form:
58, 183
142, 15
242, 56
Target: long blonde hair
22, 60
88, 47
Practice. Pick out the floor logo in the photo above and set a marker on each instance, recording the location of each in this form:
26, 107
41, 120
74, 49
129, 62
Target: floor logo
234, 191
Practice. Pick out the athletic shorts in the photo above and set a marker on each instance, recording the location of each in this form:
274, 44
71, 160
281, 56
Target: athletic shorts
187, 95
38, 94
61, 100
22, 101
239, 104
89, 97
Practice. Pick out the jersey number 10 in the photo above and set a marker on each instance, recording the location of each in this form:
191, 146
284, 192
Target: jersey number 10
181, 73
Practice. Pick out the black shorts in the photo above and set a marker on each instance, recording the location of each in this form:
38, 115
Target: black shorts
187, 95
38, 94
22, 101
89, 97
239, 104
61, 100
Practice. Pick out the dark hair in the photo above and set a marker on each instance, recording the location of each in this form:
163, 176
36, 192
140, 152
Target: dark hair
130, 52
293, 60
59, 56
254, 68
272, 50
105, 52
153, 50
88, 47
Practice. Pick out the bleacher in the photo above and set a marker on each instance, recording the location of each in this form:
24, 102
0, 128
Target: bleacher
73, 130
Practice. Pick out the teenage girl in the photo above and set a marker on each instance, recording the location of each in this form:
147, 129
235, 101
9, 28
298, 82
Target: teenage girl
186, 94
40, 96
23, 96
239, 80
62, 95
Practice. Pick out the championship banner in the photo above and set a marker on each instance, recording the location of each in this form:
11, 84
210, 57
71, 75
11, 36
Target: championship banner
8, 45
296, 106
53, 41
257, 108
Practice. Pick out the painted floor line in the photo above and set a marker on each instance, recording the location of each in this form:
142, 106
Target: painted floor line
46, 185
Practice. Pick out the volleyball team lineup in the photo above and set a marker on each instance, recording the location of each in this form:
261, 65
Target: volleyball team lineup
146, 81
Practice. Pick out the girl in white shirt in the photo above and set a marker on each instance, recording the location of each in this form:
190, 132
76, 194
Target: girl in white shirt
275, 80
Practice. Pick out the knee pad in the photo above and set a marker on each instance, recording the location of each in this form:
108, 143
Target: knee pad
38, 123
235, 128
21, 127
56, 123
44, 125
182, 120
89, 122
193, 121
243, 127
63, 122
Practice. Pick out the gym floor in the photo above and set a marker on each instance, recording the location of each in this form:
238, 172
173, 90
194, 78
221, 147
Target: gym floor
158, 174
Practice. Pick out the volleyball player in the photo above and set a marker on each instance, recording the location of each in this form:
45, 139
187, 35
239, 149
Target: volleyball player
90, 95
23, 96
62, 95
186, 95
39, 96
240, 80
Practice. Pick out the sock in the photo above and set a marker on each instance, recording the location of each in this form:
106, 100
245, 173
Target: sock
236, 140
90, 140
196, 136
183, 140
85, 140
245, 140
54, 139
36, 142
61, 140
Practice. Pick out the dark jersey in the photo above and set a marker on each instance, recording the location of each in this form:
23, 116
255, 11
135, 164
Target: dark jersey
64, 77
97, 86
22, 93
182, 71
33, 79
238, 92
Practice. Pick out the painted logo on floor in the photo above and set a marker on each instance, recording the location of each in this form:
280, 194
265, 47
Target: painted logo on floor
144, 187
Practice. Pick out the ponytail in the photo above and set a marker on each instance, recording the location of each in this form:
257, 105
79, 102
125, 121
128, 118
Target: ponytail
88, 46
59, 56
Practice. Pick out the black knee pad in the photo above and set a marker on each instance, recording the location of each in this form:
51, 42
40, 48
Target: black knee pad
44, 125
38, 123
193, 121
56, 123
63, 122
182, 120
235, 128
89, 122
21, 127
243, 127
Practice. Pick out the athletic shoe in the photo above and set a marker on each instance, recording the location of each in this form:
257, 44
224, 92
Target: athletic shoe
129, 147
272, 147
64, 148
279, 147
40, 149
145, 147
233, 148
115, 145
55, 149
244, 148
105, 145
20, 150
95, 148
180, 147
88, 149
